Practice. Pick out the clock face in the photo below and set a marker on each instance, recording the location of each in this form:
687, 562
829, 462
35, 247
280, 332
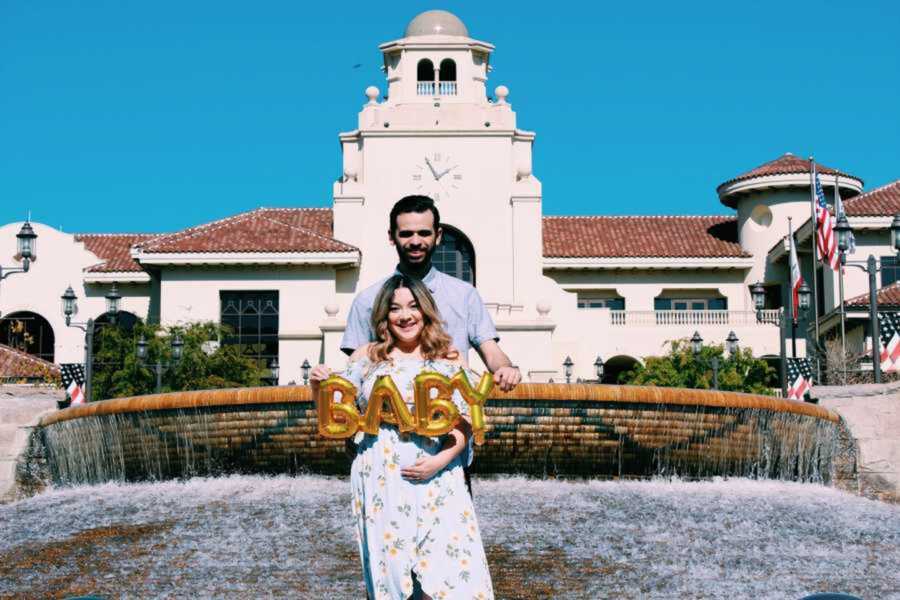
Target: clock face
438, 176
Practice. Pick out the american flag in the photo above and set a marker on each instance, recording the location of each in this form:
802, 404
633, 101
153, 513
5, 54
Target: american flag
825, 221
799, 376
889, 332
72, 375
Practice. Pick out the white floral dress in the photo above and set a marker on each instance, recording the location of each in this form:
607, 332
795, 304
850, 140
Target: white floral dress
428, 527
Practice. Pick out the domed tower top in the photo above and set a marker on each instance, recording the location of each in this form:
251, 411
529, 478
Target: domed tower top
436, 22
436, 62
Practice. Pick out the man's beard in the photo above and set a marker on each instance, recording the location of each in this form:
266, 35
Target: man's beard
424, 260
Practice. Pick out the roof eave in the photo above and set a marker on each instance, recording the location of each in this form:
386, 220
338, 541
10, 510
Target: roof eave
349, 258
654, 263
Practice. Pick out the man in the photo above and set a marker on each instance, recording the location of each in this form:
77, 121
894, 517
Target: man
415, 231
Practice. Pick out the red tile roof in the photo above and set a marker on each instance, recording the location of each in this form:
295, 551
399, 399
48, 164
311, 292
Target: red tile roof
261, 230
785, 165
641, 237
887, 297
883, 201
114, 249
15, 364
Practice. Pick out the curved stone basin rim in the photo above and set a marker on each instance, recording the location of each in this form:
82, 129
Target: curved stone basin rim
526, 391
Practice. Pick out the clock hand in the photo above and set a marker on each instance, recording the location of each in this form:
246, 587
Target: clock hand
433, 172
447, 171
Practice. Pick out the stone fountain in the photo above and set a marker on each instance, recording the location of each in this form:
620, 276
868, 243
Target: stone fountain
597, 431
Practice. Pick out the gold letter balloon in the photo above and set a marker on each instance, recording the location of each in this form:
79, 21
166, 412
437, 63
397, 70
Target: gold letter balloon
337, 420
435, 412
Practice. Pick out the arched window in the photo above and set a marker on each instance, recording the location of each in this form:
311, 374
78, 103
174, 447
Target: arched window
124, 319
447, 84
425, 78
455, 255
29, 332
448, 70
425, 70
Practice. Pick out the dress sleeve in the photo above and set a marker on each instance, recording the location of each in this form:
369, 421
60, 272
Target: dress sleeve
354, 373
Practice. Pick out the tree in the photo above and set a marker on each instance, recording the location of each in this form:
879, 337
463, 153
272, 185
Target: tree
680, 368
117, 372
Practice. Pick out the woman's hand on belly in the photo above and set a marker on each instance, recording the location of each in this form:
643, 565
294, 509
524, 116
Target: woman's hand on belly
426, 467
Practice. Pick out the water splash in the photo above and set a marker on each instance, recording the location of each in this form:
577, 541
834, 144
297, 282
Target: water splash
245, 536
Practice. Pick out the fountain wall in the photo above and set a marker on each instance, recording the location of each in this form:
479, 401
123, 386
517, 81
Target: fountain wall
600, 431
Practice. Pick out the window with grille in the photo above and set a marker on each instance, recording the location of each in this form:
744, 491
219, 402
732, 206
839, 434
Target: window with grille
252, 322
587, 301
455, 255
890, 270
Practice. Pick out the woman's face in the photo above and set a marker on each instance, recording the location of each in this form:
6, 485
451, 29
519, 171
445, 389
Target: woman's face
404, 317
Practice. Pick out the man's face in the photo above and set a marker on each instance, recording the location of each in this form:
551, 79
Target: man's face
415, 237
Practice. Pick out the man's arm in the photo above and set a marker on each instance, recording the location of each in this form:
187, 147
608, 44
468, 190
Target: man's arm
357, 334
483, 336
506, 375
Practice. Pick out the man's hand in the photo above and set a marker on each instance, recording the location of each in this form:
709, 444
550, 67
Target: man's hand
507, 378
319, 374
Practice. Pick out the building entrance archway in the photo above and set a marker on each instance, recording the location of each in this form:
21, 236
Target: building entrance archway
29, 332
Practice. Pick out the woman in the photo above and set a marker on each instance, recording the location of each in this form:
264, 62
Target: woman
415, 522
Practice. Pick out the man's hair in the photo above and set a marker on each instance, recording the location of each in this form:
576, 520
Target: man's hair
414, 204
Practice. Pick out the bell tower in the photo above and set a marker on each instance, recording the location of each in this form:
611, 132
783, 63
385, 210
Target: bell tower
436, 62
435, 132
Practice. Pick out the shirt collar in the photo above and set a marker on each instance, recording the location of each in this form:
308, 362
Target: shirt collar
430, 280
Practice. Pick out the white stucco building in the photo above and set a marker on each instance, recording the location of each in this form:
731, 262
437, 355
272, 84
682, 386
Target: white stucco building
617, 287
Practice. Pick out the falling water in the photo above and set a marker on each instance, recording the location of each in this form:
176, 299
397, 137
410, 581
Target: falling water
535, 437
253, 537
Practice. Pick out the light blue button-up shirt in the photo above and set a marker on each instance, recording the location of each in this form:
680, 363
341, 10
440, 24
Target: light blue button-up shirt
465, 317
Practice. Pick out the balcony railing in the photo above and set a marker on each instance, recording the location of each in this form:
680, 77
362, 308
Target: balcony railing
441, 88
687, 317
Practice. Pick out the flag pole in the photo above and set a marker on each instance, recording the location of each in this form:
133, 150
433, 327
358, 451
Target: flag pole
841, 296
791, 281
815, 263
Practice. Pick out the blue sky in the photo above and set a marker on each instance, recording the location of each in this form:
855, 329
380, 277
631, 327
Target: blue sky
139, 116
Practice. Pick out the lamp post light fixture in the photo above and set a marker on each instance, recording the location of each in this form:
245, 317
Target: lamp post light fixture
142, 352
599, 368
567, 367
24, 249
758, 293
696, 343
697, 349
731, 343
304, 369
275, 370
871, 267
70, 307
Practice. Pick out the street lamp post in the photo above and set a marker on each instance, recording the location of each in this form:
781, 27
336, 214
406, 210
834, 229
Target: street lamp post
25, 240
599, 369
304, 368
160, 367
70, 307
567, 367
871, 266
697, 348
758, 292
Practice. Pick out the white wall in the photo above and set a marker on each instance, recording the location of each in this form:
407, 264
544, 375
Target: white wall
60, 262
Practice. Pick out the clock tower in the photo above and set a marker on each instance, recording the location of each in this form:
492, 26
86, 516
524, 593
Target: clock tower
436, 132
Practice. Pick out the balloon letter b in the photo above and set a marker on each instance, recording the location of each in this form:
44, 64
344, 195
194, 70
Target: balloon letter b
337, 420
435, 416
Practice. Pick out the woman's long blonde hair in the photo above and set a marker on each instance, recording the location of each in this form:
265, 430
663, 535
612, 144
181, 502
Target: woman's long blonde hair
434, 342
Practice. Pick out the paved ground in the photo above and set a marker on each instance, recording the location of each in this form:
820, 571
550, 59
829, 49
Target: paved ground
291, 537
